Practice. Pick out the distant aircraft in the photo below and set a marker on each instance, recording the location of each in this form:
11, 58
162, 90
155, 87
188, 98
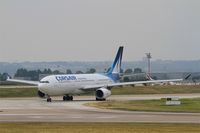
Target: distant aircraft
75, 84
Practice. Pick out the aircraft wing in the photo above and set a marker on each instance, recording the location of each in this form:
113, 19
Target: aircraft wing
129, 83
24, 81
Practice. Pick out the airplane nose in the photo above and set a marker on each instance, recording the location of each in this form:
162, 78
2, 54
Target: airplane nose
41, 87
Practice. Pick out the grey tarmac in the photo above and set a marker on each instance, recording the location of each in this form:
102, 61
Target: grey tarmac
38, 110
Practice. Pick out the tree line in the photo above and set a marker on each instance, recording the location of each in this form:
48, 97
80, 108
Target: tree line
3, 76
34, 74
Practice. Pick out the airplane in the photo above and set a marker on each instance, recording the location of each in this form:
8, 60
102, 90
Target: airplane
69, 85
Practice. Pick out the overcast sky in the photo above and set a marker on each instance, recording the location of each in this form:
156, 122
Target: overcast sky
92, 30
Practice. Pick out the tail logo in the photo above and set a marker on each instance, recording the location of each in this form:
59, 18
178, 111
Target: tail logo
116, 66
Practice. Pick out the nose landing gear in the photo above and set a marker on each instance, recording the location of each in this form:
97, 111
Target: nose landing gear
48, 98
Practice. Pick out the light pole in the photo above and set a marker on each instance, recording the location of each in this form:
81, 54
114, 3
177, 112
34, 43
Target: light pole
148, 55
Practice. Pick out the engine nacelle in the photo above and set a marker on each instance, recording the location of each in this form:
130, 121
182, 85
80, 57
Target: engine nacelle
102, 93
41, 94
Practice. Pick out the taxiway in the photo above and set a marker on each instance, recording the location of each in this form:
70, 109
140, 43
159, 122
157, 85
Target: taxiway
38, 110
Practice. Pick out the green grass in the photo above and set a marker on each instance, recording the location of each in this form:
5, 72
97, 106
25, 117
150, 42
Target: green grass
187, 105
165, 89
18, 92
128, 90
97, 128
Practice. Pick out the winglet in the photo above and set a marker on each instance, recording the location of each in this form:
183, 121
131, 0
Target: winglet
187, 77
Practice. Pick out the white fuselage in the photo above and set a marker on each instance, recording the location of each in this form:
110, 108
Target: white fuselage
72, 84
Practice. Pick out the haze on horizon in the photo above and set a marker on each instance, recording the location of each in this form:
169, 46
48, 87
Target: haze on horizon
92, 30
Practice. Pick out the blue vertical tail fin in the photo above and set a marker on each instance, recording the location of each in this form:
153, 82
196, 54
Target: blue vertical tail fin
114, 71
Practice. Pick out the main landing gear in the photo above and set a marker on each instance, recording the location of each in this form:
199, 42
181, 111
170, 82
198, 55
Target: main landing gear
67, 98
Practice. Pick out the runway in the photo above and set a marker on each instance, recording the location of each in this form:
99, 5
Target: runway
38, 110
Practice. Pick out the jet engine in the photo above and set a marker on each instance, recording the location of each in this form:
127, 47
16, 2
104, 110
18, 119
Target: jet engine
102, 94
41, 94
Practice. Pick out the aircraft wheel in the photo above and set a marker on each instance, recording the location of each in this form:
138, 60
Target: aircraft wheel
71, 98
48, 99
64, 98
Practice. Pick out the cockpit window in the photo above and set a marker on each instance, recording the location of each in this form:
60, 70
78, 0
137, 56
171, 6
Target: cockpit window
44, 81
